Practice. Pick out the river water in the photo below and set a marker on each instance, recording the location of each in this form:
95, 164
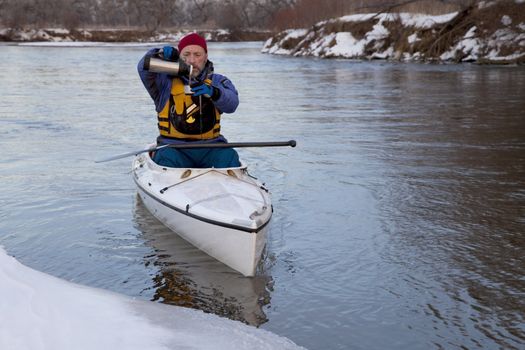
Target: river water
398, 220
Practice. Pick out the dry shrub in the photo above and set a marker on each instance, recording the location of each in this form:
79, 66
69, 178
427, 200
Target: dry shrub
488, 19
507, 50
430, 7
291, 43
398, 38
426, 38
245, 35
447, 34
116, 35
373, 46
276, 38
287, 44
398, 34
358, 29
302, 14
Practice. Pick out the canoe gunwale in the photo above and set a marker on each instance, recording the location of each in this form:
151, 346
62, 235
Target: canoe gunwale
200, 218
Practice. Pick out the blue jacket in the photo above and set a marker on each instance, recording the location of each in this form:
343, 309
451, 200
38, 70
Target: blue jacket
158, 86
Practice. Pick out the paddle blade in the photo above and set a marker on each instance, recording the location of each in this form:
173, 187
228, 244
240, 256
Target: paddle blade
129, 154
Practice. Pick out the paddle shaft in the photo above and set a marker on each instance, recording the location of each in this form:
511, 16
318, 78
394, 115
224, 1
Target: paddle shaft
290, 143
187, 145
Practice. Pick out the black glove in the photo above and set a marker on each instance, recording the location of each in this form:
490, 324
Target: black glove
170, 53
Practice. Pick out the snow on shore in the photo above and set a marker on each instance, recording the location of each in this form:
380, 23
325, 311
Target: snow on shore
345, 44
108, 35
489, 32
120, 35
39, 311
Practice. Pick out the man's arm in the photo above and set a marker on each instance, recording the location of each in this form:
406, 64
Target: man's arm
157, 84
228, 98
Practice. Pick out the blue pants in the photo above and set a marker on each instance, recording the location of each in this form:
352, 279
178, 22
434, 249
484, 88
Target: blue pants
197, 158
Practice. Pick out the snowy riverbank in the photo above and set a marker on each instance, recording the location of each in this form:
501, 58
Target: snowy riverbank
40, 311
488, 32
121, 35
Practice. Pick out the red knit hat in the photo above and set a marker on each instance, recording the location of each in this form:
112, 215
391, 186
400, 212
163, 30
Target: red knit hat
193, 39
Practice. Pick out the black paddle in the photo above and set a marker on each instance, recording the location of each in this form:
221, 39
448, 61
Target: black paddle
290, 143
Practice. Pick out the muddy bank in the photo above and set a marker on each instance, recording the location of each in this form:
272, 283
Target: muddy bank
487, 32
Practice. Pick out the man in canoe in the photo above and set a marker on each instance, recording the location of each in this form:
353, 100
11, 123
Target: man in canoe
186, 115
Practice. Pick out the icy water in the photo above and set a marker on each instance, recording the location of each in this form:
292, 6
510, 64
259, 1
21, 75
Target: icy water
399, 219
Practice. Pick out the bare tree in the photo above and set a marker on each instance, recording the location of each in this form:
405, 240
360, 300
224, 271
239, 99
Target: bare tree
265, 10
16, 14
227, 15
158, 13
200, 11
235, 14
85, 10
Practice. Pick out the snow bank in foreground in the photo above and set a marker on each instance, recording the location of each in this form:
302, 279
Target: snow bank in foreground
39, 311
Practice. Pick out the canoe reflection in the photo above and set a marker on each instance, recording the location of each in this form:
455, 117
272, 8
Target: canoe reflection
190, 278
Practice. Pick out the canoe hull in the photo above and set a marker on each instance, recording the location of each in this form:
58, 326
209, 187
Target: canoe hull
234, 237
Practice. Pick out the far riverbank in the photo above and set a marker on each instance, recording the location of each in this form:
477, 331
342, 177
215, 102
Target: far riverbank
124, 35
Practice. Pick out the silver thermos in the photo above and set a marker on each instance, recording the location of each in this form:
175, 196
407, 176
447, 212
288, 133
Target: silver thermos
178, 68
157, 65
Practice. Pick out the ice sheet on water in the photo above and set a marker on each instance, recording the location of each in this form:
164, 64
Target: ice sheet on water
40, 311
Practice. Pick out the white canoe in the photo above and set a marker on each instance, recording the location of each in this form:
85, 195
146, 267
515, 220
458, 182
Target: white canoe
222, 211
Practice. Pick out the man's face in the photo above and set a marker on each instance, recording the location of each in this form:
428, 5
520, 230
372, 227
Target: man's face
195, 56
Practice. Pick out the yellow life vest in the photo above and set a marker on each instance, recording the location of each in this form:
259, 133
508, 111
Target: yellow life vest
182, 117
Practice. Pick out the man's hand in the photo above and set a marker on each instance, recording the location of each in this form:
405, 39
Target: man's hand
202, 89
170, 53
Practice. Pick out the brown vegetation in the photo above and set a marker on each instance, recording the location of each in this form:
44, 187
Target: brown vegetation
152, 15
305, 13
487, 21
358, 29
432, 7
398, 35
